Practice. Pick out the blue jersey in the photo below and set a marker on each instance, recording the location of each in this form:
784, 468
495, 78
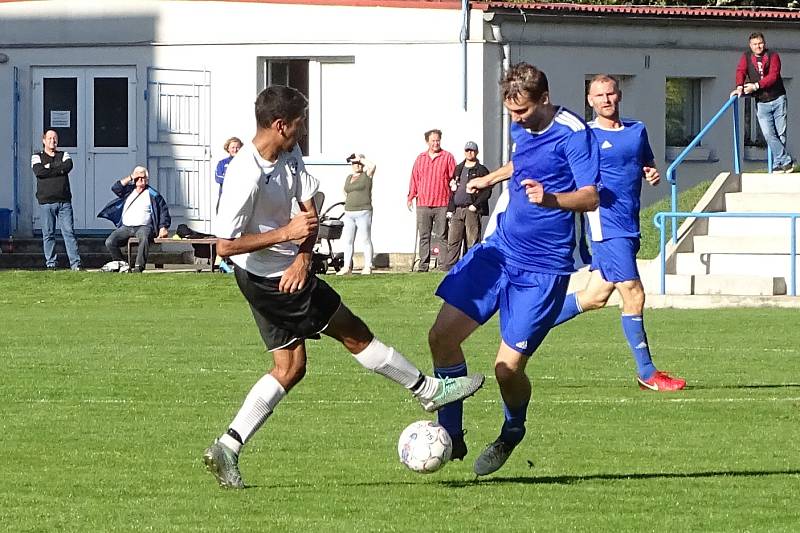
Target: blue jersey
563, 158
623, 153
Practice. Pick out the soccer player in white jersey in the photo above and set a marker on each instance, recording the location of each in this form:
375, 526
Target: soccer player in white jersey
256, 230
625, 159
523, 268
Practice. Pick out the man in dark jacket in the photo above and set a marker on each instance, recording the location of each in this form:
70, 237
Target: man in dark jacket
139, 211
759, 74
465, 210
52, 168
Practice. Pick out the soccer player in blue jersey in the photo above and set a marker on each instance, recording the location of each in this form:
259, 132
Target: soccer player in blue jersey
523, 268
625, 159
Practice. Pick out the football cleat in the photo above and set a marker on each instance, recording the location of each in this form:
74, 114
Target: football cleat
661, 381
492, 458
452, 390
223, 464
459, 448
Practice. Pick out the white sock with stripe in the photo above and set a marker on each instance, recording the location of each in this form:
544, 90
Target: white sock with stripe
390, 363
257, 407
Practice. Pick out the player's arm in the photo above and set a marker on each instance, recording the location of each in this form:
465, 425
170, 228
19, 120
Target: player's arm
583, 199
300, 227
651, 174
490, 179
294, 277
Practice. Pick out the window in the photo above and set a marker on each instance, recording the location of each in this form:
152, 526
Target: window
285, 71
752, 132
61, 109
683, 110
111, 112
328, 85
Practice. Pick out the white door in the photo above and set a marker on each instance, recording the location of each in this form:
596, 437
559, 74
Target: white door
93, 110
178, 144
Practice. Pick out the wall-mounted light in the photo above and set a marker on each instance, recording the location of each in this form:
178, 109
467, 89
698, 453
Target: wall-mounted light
3, 58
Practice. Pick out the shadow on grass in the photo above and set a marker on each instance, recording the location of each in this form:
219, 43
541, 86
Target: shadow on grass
569, 480
746, 386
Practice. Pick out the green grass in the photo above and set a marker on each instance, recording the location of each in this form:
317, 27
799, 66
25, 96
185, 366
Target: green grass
687, 199
113, 385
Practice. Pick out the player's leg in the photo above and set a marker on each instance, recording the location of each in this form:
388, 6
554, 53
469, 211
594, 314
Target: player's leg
527, 313
433, 393
648, 376
470, 292
450, 329
594, 296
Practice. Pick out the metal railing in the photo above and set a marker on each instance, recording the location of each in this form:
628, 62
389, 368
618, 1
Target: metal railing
658, 220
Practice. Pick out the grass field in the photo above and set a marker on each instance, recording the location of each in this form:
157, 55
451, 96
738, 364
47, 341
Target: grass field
112, 386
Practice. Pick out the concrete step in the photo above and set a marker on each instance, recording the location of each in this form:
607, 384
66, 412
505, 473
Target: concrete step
764, 202
693, 263
674, 283
775, 227
745, 244
739, 285
34, 245
770, 183
88, 260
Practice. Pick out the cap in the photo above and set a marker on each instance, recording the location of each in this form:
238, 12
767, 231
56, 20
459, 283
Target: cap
471, 145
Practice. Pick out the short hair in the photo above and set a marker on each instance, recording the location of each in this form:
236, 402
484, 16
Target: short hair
231, 140
47, 131
139, 168
756, 35
523, 79
431, 132
605, 78
279, 102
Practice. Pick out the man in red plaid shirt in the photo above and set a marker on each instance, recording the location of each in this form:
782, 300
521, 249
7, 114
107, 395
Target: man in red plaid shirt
430, 185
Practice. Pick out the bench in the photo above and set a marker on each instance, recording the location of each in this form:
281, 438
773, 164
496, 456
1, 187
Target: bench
211, 242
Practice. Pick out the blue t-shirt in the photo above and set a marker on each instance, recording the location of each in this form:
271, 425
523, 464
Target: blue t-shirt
623, 153
563, 158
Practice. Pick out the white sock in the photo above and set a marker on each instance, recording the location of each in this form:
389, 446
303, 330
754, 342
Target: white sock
257, 407
388, 362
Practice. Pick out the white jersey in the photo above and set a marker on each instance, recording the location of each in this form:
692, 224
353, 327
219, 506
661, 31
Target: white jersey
258, 197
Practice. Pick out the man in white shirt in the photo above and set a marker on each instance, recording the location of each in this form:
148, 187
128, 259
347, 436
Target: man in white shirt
257, 231
139, 211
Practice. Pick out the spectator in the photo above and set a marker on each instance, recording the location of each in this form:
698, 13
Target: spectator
430, 178
358, 211
52, 168
232, 147
466, 209
139, 211
759, 74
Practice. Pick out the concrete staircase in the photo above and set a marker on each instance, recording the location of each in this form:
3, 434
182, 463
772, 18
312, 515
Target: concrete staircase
28, 254
734, 256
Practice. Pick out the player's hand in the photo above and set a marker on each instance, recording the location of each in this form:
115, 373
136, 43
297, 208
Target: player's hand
476, 184
294, 278
301, 226
651, 175
534, 190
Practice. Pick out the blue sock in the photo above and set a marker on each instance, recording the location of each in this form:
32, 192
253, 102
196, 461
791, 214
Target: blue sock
451, 415
514, 426
633, 327
570, 309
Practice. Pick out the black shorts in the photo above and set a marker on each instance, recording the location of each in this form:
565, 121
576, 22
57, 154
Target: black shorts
283, 318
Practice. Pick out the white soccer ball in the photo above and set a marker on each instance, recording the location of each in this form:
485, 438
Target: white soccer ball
424, 447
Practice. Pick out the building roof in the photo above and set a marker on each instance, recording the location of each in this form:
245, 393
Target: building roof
653, 11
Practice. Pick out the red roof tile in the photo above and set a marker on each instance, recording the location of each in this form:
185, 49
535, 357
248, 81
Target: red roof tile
658, 11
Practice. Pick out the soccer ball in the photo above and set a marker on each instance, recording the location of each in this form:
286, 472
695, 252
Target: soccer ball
424, 447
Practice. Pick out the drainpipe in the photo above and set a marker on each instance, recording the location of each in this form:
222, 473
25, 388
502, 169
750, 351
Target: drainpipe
505, 135
463, 37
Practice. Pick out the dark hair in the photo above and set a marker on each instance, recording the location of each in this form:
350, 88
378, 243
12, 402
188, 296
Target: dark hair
279, 101
523, 79
756, 35
431, 132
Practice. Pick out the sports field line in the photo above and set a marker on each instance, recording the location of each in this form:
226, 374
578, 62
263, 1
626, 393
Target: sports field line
646, 397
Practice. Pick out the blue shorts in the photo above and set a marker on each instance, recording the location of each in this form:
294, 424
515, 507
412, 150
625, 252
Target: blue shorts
529, 302
615, 258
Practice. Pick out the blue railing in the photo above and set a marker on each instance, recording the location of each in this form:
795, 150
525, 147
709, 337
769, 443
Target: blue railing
658, 220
